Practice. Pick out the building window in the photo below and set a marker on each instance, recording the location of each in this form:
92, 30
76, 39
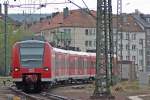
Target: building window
69, 42
121, 36
127, 47
141, 62
148, 41
86, 43
133, 47
140, 52
94, 33
148, 52
120, 47
140, 41
121, 57
95, 43
42, 34
127, 57
133, 58
90, 43
148, 63
90, 31
86, 31
134, 36
148, 20
127, 36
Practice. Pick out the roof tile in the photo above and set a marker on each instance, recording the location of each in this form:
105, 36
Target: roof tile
78, 18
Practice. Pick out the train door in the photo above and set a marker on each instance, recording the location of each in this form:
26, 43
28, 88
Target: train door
53, 64
76, 65
56, 65
89, 65
85, 65
59, 65
66, 65
62, 65
80, 65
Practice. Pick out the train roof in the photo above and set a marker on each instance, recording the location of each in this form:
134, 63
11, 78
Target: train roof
71, 52
31, 41
77, 52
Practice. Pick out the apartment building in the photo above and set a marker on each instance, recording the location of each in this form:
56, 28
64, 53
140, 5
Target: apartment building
73, 28
143, 21
133, 41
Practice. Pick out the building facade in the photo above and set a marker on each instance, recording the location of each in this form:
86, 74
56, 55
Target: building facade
144, 21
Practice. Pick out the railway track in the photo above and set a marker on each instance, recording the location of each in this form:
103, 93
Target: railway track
54, 97
40, 96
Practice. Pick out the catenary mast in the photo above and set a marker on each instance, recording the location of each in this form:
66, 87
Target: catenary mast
104, 51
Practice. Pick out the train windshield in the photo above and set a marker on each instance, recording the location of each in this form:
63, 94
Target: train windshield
31, 54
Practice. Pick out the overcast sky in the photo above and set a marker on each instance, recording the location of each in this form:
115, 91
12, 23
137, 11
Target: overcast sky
129, 6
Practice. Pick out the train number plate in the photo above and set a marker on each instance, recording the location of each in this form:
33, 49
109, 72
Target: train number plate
31, 70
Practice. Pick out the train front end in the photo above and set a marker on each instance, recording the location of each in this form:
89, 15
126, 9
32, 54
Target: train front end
31, 65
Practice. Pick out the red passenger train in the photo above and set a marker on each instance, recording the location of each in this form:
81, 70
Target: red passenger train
36, 64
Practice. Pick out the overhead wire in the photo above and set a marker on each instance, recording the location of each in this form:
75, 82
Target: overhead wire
41, 5
86, 5
87, 8
36, 4
35, 8
82, 8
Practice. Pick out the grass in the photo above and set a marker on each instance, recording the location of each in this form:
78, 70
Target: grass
7, 80
130, 87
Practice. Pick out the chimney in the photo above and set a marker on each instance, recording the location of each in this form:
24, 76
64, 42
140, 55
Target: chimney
137, 12
65, 12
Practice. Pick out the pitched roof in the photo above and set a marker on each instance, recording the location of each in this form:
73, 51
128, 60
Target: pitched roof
141, 18
79, 18
129, 24
76, 18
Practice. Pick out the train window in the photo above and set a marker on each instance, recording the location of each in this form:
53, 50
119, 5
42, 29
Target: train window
72, 63
56, 61
63, 61
66, 61
85, 63
53, 63
53, 59
31, 56
76, 62
79, 62
88, 62
93, 64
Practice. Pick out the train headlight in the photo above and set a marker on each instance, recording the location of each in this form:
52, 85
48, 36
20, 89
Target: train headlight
16, 69
46, 68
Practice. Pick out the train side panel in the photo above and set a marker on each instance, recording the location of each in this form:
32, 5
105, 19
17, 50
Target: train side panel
47, 63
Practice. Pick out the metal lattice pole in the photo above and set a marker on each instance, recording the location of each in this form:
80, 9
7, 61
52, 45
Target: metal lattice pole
102, 82
5, 36
119, 32
111, 45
